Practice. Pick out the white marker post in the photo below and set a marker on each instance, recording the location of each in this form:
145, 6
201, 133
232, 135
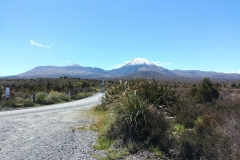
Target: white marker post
7, 93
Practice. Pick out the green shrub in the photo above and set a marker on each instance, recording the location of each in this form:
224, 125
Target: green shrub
205, 92
138, 122
41, 97
51, 98
157, 94
130, 119
28, 103
82, 95
139, 113
211, 139
56, 97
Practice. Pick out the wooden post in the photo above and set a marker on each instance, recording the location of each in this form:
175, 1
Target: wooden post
34, 97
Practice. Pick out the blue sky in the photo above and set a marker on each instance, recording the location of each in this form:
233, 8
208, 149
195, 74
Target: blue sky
187, 34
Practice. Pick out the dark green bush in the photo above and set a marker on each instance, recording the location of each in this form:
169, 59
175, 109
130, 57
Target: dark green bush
1, 92
233, 85
205, 92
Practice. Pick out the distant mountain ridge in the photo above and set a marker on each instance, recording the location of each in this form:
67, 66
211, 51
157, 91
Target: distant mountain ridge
137, 68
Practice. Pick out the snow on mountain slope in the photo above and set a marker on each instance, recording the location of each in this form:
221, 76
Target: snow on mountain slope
74, 65
139, 61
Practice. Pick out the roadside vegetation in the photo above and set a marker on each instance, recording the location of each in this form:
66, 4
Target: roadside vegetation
160, 119
197, 120
46, 90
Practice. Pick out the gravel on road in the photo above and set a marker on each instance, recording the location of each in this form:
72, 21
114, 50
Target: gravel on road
45, 132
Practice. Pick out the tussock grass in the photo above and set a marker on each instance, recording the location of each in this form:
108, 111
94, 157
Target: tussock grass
137, 121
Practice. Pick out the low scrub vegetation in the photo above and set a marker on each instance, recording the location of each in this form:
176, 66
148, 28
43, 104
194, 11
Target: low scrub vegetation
46, 90
172, 119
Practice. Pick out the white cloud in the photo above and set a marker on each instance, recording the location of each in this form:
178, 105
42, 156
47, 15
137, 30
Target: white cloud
35, 43
120, 65
158, 63
47, 47
32, 42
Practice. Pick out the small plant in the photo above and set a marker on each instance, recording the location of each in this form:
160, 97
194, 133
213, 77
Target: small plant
103, 143
179, 128
156, 150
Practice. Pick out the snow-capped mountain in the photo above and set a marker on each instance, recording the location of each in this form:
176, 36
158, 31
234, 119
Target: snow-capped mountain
139, 61
139, 65
74, 65
137, 68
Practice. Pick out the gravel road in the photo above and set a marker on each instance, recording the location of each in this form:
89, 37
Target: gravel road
45, 132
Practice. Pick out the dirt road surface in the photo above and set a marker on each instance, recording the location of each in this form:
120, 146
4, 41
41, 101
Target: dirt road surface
45, 132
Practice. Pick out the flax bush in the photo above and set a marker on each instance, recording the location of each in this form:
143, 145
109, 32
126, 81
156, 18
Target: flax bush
138, 119
159, 95
138, 122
